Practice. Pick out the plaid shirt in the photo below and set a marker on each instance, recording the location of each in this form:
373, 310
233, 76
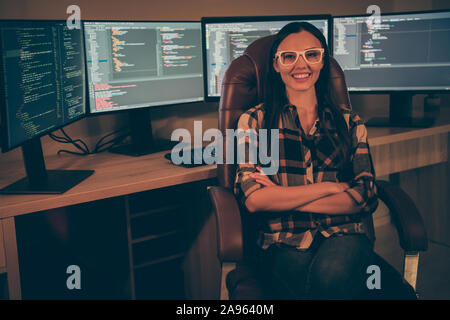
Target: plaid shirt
306, 159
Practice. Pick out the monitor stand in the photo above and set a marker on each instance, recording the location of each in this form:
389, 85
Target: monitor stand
400, 114
142, 141
42, 181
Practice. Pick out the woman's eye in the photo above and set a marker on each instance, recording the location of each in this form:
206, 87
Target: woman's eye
289, 56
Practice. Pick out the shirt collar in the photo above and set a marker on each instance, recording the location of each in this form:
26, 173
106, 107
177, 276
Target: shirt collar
289, 106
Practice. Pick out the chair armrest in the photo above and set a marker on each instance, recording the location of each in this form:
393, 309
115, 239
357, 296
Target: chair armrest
405, 216
229, 225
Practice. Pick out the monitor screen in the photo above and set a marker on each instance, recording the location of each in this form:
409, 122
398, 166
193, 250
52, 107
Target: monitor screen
404, 52
42, 79
226, 38
141, 64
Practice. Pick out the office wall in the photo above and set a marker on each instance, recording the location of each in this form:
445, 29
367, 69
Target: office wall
182, 9
166, 119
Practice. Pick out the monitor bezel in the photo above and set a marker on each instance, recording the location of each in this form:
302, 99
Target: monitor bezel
231, 19
4, 123
389, 91
90, 114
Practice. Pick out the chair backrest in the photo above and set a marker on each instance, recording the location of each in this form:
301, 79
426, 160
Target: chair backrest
243, 88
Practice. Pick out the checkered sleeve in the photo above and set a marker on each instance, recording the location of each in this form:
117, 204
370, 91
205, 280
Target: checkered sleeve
245, 185
362, 187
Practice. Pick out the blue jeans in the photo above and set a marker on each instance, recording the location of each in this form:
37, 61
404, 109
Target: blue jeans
332, 268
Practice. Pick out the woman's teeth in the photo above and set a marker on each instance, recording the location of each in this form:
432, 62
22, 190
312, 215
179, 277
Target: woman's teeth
301, 75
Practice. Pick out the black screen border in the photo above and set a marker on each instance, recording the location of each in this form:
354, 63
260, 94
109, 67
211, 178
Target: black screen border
4, 128
412, 90
90, 114
231, 19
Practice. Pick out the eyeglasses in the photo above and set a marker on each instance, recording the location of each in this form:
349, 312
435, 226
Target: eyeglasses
290, 57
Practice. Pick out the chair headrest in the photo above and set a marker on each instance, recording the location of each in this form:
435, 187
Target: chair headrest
243, 88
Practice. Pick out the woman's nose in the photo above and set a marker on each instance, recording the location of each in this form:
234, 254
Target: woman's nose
301, 62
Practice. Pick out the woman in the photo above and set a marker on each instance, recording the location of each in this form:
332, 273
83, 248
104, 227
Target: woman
311, 235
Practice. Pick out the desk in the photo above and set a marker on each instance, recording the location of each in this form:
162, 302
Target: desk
393, 149
115, 175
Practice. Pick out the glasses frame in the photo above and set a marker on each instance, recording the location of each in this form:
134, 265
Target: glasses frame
299, 53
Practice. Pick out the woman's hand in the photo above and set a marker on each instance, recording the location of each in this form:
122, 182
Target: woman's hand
342, 186
261, 178
286, 198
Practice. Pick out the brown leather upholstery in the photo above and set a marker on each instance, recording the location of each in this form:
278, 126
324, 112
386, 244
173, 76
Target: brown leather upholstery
405, 216
243, 88
229, 230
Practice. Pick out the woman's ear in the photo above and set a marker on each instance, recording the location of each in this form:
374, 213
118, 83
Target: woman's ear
275, 65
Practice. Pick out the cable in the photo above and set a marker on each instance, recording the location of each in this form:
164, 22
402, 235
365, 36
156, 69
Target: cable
100, 146
113, 142
66, 139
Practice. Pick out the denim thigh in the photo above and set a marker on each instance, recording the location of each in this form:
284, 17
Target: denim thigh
339, 267
332, 268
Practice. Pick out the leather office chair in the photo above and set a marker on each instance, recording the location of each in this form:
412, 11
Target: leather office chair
242, 88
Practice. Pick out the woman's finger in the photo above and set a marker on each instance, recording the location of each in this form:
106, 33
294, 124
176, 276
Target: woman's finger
265, 180
259, 169
265, 183
262, 178
258, 176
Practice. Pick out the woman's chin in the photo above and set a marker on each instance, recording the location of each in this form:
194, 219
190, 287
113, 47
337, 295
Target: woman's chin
301, 88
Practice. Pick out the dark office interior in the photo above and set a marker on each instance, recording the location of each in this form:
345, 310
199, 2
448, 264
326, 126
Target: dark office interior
140, 227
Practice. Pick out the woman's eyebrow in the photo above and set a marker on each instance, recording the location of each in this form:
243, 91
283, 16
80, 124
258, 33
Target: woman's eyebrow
304, 49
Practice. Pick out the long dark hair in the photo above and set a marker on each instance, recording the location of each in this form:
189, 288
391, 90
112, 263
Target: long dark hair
275, 96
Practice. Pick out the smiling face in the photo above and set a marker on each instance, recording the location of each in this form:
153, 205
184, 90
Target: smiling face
301, 76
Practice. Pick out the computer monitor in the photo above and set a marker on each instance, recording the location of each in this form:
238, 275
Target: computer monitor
226, 38
42, 88
405, 54
136, 65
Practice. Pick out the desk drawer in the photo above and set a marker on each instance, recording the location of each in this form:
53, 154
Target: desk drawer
155, 199
162, 225
162, 220
161, 281
158, 248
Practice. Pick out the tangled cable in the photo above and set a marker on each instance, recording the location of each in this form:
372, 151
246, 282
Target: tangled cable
100, 146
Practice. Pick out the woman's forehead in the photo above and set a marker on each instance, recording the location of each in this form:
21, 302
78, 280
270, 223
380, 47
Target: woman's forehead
299, 41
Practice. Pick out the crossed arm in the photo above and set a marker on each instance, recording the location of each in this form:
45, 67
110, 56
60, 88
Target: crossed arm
323, 197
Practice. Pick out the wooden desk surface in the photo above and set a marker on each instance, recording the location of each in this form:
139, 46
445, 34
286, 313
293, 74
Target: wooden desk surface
381, 136
117, 175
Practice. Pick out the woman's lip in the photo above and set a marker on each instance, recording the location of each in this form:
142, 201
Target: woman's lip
302, 78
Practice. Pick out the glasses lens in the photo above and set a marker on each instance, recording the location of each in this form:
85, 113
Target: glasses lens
313, 55
288, 57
